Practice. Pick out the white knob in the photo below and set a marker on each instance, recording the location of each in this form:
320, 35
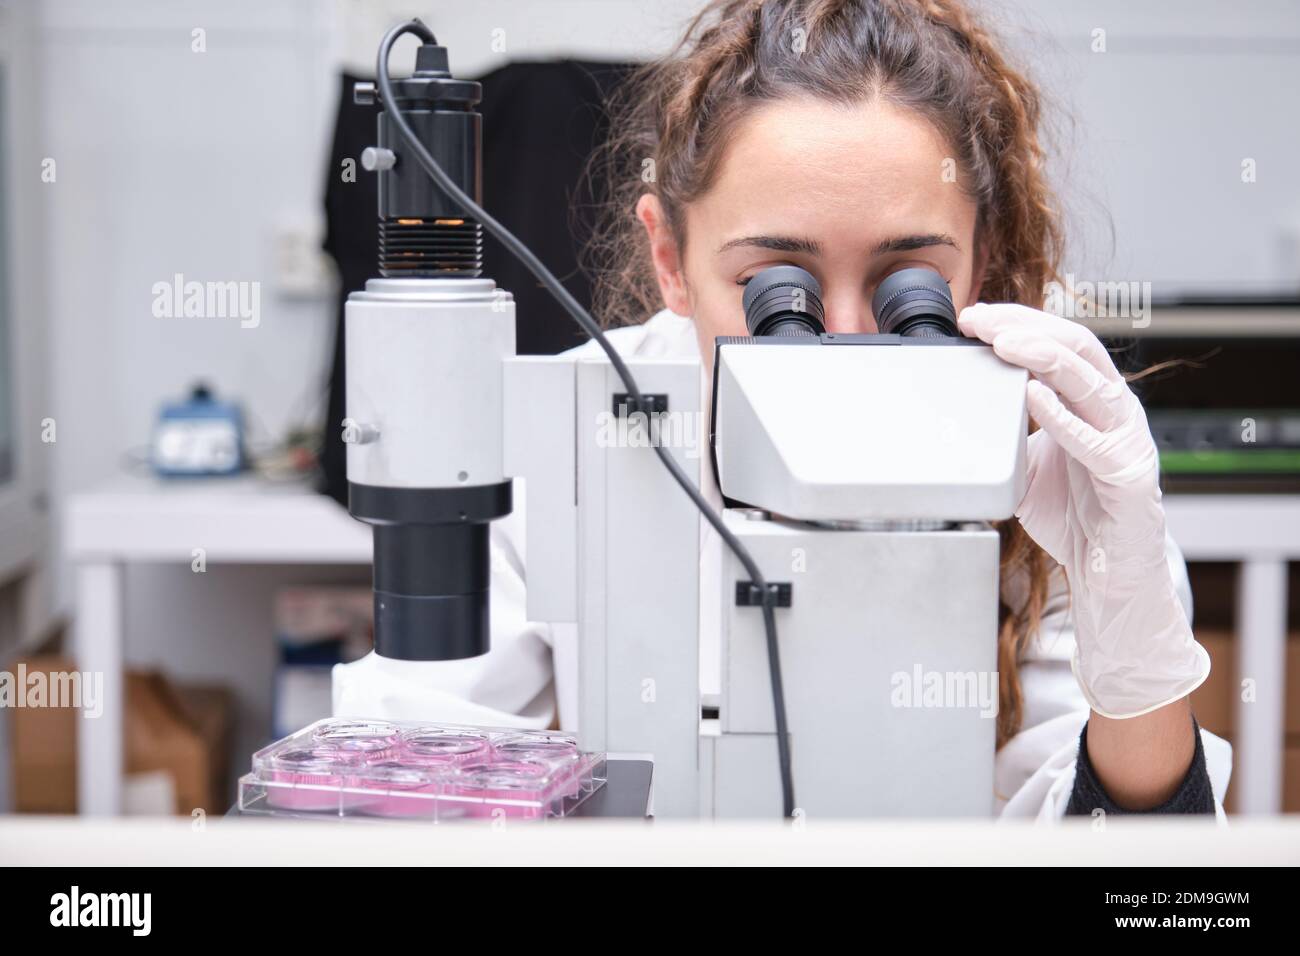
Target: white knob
359, 433
377, 158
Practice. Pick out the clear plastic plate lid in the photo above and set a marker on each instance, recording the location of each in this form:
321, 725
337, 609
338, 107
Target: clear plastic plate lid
420, 770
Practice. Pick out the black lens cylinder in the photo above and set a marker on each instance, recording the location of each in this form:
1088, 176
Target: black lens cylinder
915, 303
783, 300
423, 232
431, 591
453, 137
432, 567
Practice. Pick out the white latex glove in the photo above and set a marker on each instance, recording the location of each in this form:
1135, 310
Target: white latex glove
1093, 504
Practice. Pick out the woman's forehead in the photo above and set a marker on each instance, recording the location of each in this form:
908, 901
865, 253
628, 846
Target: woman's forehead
842, 173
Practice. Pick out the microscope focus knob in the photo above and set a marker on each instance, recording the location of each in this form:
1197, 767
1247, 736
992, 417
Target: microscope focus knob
378, 159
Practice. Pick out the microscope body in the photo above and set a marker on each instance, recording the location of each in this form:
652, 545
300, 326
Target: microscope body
878, 463
870, 475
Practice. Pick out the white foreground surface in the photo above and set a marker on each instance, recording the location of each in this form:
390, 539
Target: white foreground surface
67, 841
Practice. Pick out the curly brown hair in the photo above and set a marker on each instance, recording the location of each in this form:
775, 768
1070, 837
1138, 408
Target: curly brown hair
671, 121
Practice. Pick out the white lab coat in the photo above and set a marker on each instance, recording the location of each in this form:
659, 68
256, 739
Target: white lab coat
514, 683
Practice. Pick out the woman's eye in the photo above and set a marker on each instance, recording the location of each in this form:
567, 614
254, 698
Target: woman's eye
759, 269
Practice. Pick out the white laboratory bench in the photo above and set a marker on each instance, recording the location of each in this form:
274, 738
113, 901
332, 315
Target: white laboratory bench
250, 521
64, 841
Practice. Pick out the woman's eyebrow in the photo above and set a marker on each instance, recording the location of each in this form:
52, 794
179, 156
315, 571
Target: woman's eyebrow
910, 243
777, 243
812, 248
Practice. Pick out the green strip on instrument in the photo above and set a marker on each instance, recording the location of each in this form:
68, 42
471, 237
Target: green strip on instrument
1259, 460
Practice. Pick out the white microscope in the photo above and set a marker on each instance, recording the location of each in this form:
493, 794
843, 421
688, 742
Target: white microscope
859, 475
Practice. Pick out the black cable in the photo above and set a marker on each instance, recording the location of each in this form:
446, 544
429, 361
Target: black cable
589, 325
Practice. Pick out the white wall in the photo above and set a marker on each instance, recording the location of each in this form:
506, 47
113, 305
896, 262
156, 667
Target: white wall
487, 33
1149, 135
1153, 132
171, 161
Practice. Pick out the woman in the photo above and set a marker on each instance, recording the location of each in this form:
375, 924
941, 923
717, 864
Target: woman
854, 138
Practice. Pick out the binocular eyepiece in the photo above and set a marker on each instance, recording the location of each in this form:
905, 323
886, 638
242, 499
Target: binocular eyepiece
783, 300
915, 303
786, 300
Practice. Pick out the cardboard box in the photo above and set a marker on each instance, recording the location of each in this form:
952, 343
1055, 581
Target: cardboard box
1214, 701
44, 748
1293, 685
1214, 594
211, 710
1291, 780
183, 731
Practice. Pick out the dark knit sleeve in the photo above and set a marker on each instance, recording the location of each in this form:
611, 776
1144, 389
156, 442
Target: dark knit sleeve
1193, 795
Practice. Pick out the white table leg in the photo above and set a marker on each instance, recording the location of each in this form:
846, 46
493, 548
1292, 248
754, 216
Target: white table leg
1261, 658
97, 644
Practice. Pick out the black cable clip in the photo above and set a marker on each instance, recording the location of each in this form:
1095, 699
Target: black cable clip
748, 594
652, 404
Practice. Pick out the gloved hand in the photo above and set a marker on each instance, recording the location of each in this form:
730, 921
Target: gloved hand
1093, 504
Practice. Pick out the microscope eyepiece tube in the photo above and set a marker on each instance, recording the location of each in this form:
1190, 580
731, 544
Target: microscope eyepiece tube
783, 300
915, 303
